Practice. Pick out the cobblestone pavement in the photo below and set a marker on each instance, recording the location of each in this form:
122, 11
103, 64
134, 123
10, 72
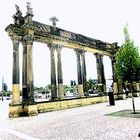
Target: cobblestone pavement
83, 123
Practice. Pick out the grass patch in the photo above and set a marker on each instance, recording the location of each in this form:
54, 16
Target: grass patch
125, 113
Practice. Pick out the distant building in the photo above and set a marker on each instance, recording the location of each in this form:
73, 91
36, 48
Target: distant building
5, 87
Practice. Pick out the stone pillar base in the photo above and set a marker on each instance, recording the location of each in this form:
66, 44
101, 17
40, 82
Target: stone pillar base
104, 88
122, 96
120, 87
60, 91
136, 86
15, 110
30, 110
15, 94
115, 87
80, 90
100, 87
137, 94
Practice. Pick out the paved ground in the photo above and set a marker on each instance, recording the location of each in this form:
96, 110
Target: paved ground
83, 123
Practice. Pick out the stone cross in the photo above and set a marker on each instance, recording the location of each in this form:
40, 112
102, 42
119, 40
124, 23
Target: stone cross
54, 20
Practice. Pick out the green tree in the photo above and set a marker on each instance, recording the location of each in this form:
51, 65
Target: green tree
66, 88
91, 84
127, 64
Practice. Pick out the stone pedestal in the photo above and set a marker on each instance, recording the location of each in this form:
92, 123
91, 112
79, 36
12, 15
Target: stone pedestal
19, 110
115, 88
136, 87
15, 110
60, 91
122, 96
15, 94
100, 87
137, 94
30, 110
120, 86
80, 90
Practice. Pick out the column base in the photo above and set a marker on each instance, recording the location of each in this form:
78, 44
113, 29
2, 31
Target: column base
15, 94
137, 94
60, 91
100, 87
115, 87
80, 90
122, 96
120, 87
136, 87
20, 110
15, 110
30, 110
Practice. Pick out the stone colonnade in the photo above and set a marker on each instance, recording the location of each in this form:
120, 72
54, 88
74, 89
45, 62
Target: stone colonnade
27, 70
26, 31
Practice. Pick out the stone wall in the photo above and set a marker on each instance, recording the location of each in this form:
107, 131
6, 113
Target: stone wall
47, 106
58, 105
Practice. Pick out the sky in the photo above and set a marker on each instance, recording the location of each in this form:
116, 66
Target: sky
98, 19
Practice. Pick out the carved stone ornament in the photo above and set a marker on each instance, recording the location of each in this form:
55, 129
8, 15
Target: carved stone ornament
29, 9
15, 39
18, 13
28, 39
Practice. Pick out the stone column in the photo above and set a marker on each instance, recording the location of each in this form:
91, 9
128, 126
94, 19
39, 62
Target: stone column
59, 71
115, 84
29, 105
79, 73
24, 72
53, 72
15, 72
100, 72
27, 69
84, 74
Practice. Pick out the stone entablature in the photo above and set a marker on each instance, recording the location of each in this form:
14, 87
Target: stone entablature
48, 34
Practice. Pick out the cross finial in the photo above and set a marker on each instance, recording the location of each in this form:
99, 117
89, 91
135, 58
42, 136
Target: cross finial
54, 20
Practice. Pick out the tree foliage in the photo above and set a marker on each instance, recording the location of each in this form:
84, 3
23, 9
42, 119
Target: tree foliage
127, 66
91, 84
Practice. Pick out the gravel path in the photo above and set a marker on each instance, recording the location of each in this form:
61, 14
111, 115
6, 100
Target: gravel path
83, 123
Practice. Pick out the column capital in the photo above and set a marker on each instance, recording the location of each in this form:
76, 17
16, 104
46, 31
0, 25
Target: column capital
80, 51
98, 55
112, 57
59, 48
28, 39
83, 52
15, 38
52, 47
